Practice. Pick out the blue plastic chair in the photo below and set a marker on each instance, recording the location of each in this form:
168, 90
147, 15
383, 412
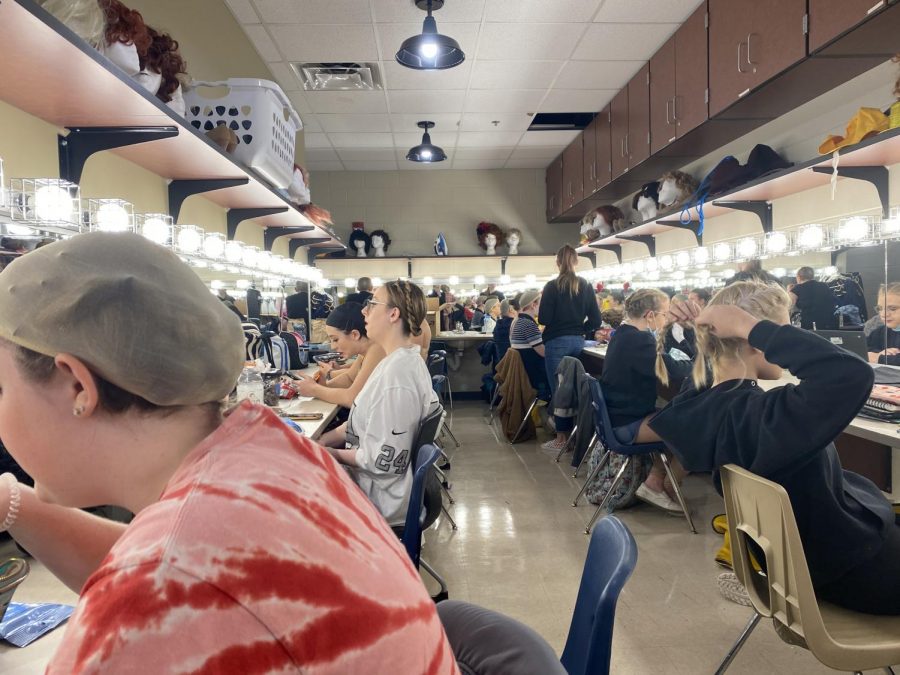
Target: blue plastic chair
604, 432
611, 557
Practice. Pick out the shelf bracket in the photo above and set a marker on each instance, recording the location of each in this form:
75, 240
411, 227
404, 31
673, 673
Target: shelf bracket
179, 190
647, 240
761, 208
876, 175
692, 225
82, 142
311, 253
235, 217
589, 255
270, 234
615, 248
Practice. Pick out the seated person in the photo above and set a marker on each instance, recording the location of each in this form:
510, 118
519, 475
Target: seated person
453, 312
525, 337
849, 531
387, 413
491, 314
346, 329
886, 348
629, 383
501, 331
232, 553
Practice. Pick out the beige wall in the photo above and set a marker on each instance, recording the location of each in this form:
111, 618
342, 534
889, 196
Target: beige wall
413, 206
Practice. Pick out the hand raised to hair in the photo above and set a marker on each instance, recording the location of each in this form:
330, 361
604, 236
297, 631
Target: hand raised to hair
683, 311
727, 321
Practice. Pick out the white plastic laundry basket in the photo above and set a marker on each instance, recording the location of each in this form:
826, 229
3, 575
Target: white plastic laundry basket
262, 117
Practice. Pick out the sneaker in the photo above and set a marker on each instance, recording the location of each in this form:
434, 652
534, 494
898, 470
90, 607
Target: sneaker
658, 499
554, 445
732, 589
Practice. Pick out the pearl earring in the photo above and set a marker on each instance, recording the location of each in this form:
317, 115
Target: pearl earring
78, 410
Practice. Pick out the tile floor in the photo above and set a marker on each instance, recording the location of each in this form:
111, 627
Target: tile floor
520, 549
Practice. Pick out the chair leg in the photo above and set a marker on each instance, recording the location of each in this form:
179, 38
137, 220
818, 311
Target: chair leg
597, 469
449, 517
452, 437
677, 488
565, 447
446, 490
450, 393
444, 592
590, 449
493, 401
736, 647
609, 493
524, 421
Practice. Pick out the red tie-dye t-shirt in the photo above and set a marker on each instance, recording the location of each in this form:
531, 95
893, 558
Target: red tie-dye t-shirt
261, 556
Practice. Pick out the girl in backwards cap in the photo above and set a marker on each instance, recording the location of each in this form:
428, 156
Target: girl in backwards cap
250, 545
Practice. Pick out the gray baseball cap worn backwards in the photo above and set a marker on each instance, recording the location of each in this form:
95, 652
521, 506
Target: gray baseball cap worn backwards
131, 310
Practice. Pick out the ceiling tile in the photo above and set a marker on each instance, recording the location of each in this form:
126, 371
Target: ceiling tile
546, 41
426, 101
371, 166
392, 35
324, 166
622, 42
596, 74
263, 43
323, 43
643, 11
552, 138
310, 123
444, 122
504, 101
535, 151
577, 100
405, 165
514, 74
456, 11
401, 77
313, 11
485, 121
346, 102
385, 154
487, 139
404, 141
533, 163
316, 141
320, 155
508, 11
243, 11
359, 140
478, 163
301, 105
355, 123
483, 153
285, 76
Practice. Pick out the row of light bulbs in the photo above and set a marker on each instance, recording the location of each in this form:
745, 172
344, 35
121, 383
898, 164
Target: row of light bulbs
814, 237
55, 206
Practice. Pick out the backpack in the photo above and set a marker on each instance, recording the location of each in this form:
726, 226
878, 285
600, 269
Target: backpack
298, 352
280, 356
631, 480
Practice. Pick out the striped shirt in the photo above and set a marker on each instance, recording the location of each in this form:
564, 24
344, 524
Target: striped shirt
261, 556
525, 333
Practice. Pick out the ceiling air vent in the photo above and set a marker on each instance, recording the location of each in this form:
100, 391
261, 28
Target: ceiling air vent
338, 76
560, 121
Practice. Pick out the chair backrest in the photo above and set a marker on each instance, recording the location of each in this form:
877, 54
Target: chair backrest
611, 557
604, 428
760, 510
412, 528
437, 362
428, 430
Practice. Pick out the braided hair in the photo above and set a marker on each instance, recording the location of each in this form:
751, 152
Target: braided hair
410, 301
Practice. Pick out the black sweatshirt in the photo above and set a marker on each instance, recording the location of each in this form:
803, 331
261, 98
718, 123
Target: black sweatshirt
564, 314
786, 435
629, 374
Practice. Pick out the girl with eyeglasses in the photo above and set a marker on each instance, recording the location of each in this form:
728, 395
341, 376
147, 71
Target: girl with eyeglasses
883, 343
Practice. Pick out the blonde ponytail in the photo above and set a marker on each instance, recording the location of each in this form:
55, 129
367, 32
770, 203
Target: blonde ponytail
662, 373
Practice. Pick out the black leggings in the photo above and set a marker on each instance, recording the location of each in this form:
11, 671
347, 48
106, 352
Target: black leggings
874, 586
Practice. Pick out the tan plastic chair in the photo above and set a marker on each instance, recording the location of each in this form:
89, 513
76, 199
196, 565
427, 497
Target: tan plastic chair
842, 639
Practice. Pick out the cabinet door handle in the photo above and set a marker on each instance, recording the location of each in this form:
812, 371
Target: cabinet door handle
668, 121
674, 108
750, 62
740, 70
627, 149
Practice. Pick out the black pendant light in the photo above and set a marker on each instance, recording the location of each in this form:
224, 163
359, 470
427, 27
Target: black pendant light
426, 152
430, 50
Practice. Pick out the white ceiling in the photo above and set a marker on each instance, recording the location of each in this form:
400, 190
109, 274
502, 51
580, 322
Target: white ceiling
574, 55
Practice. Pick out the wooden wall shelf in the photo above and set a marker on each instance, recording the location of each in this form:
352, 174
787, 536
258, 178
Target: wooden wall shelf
49, 72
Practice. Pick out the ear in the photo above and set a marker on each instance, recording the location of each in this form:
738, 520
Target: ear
81, 382
355, 334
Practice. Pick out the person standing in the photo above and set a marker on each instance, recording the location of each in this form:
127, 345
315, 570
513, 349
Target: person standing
814, 300
567, 303
297, 306
364, 292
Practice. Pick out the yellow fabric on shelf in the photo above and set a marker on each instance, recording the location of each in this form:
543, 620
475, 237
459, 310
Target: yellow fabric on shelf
864, 123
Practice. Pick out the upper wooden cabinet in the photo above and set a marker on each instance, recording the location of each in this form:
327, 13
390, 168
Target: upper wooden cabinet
637, 142
749, 43
603, 148
589, 158
573, 180
828, 19
618, 111
554, 180
662, 95
690, 109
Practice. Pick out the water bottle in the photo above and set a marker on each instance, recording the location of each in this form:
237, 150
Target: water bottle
250, 385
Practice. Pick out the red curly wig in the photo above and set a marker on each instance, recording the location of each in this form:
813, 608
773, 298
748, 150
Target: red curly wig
484, 229
126, 26
163, 58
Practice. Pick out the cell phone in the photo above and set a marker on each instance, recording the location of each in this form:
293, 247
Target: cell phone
306, 417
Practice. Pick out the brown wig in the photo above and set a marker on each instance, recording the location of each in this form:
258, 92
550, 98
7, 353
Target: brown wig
126, 26
163, 58
317, 214
484, 229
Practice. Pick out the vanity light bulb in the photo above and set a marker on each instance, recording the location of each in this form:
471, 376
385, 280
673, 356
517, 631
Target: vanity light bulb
216, 284
214, 245
678, 274
190, 239
349, 282
637, 266
701, 255
530, 279
479, 280
891, 225
112, 217
428, 281
853, 229
811, 236
776, 242
249, 256
666, 263
722, 252
234, 251
505, 279
625, 269
157, 230
746, 248
52, 203
454, 280
651, 265
682, 259
243, 284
